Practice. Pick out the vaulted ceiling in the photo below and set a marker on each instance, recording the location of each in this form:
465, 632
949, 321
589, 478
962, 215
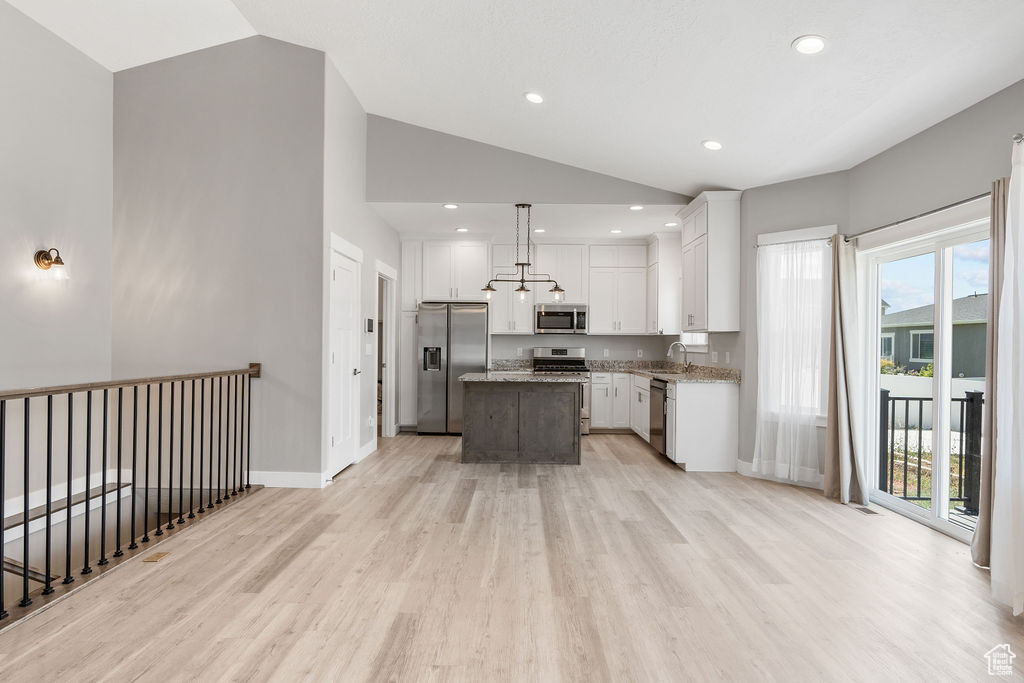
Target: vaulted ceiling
631, 88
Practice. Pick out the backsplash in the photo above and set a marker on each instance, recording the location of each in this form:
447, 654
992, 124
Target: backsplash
667, 367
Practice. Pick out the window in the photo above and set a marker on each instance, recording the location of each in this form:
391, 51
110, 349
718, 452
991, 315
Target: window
888, 339
922, 346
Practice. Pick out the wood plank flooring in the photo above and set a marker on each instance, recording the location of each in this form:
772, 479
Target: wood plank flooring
415, 567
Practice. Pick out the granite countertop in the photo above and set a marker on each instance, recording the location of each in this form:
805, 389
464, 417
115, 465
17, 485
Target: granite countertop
522, 376
664, 370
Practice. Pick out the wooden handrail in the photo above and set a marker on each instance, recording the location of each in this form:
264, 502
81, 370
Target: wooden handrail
253, 371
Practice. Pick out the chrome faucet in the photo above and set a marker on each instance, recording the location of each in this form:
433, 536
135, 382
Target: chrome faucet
686, 362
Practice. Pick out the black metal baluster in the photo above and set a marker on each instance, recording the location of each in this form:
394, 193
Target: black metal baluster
160, 453
906, 446
120, 437
170, 464
192, 455
103, 494
3, 483
47, 586
248, 430
145, 501
220, 432
135, 452
234, 444
86, 569
892, 460
202, 434
25, 600
181, 450
960, 476
210, 492
920, 432
68, 578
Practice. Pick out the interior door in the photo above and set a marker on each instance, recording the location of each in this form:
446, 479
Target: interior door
344, 364
631, 300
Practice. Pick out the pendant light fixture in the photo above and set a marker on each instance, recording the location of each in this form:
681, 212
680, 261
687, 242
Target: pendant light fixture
524, 269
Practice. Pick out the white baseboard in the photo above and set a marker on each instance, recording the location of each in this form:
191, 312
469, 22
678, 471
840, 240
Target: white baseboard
289, 480
366, 449
747, 470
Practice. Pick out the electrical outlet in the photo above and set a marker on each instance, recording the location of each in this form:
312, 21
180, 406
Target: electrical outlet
639, 353
714, 356
606, 353
726, 356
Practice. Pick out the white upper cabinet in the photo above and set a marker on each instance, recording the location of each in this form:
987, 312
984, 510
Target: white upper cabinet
566, 263
455, 270
663, 285
601, 312
618, 301
412, 275
618, 256
711, 263
508, 313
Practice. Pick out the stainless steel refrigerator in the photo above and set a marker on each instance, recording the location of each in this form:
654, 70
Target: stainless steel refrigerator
452, 342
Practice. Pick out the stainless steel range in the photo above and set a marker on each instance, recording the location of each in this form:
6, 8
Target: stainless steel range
567, 361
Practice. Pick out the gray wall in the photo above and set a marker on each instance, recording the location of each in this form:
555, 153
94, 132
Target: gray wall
953, 160
218, 229
407, 163
619, 348
347, 214
55, 191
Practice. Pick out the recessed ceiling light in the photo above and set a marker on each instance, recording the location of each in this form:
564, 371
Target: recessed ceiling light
451, 206
615, 231
636, 207
538, 229
461, 229
713, 145
809, 45
533, 97
671, 224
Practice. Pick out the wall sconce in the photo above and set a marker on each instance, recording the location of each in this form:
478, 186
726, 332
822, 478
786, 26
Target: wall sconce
44, 261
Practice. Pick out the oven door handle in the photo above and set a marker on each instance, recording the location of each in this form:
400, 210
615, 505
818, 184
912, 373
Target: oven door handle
573, 321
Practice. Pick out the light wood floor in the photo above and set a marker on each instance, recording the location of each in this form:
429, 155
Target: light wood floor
414, 567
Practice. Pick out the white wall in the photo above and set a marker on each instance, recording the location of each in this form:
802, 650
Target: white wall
55, 191
218, 230
347, 214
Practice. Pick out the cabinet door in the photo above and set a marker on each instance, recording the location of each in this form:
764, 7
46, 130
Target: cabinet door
499, 311
700, 222
407, 366
601, 405
412, 275
635, 410
437, 270
603, 297
644, 408
689, 281
631, 300
470, 271
632, 256
652, 299
700, 284
670, 428
620, 401
521, 311
604, 257
546, 261
570, 269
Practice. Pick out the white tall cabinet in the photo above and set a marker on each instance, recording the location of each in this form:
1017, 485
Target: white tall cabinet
455, 270
663, 284
509, 313
567, 263
618, 289
710, 264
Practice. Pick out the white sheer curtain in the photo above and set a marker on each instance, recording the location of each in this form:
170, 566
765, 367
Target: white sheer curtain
1007, 554
793, 324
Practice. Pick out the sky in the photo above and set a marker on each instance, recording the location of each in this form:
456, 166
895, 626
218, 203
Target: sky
909, 283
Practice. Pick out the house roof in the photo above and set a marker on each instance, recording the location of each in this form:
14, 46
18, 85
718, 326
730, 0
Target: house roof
973, 308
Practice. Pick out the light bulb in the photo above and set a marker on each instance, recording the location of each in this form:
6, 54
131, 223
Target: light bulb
558, 296
488, 295
522, 295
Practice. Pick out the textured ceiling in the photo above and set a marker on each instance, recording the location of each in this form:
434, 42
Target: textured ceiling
631, 87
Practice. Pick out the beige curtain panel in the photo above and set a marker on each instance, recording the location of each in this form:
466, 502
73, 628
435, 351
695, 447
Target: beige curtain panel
845, 475
981, 544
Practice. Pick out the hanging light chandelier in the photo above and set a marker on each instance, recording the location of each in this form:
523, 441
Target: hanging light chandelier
524, 269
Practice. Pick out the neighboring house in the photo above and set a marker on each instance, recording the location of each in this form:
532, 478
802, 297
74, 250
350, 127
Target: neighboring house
908, 337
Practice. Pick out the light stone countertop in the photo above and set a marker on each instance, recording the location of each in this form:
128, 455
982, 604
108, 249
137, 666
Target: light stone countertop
681, 378
513, 376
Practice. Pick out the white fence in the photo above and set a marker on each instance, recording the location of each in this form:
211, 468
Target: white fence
921, 387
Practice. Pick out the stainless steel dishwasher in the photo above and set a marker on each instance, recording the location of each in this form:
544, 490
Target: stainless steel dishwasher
658, 415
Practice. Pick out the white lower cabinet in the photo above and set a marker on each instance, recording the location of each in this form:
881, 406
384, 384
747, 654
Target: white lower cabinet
640, 407
609, 400
702, 425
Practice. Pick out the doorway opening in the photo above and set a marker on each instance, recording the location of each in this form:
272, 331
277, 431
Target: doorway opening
928, 350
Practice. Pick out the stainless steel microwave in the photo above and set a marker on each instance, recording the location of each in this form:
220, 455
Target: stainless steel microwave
560, 319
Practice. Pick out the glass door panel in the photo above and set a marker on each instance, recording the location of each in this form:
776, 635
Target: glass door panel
969, 340
906, 346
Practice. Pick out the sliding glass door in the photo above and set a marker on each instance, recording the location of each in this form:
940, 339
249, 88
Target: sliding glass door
929, 348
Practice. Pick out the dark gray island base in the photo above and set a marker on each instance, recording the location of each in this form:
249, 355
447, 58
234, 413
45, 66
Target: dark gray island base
521, 418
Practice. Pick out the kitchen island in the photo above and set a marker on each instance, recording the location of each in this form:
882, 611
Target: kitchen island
521, 417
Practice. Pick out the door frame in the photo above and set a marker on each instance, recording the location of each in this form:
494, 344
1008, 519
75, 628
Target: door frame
389, 412
338, 245
932, 233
